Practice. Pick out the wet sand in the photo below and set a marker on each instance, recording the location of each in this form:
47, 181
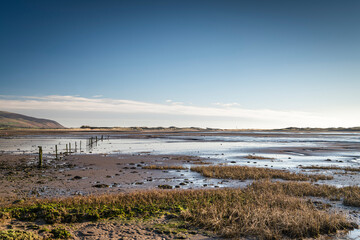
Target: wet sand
80, 174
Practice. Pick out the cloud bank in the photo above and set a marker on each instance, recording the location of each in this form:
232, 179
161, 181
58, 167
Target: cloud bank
215, 114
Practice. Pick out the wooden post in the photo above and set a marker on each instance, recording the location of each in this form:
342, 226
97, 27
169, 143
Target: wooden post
102, 137
75, 147
96, 139
40, 157
69, 147
56, 154
80, 146
66, 149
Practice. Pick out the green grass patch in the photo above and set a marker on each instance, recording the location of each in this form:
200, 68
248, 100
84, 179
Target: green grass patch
60, 233
18, 235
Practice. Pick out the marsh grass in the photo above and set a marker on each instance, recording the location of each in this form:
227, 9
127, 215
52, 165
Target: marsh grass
256, 173
350, 169
349, 195
256, 157
263, 210
155, 167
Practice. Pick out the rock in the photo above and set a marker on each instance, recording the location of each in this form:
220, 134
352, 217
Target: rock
18, 201
165, 186
101, 185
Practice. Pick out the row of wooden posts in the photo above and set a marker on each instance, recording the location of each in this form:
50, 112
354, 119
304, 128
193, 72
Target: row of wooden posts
91, 141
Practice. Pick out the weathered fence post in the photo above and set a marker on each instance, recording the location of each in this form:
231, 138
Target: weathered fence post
56, 153
66, 149
40, 157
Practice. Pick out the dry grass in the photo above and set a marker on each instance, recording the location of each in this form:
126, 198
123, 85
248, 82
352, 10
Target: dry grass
263, 215
350, 195
263, 211
256, 157
351, 169
164, 167
244, 172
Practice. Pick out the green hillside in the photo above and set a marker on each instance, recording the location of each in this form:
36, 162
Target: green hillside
14, 120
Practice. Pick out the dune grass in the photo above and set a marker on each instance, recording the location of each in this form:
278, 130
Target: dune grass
256, 173
263, 210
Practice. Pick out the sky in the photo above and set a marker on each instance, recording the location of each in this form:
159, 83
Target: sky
201, 63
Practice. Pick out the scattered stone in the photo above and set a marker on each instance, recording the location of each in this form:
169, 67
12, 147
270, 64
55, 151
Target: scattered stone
101, 185
164, 186
18, 201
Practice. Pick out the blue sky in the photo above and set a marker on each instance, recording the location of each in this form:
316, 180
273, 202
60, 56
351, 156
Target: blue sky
267, 57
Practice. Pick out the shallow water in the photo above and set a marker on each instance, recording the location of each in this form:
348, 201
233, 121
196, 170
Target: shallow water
288, 150
285, 151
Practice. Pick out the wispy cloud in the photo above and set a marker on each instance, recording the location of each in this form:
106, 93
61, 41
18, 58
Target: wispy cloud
234, 104
82, 104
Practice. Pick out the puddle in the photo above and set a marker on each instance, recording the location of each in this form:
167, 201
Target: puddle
353, 235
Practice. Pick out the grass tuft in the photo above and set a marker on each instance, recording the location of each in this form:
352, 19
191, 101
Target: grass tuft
164, 167
256, 157
60, 233
350, 169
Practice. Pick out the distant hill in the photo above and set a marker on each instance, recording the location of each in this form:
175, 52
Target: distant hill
14, 120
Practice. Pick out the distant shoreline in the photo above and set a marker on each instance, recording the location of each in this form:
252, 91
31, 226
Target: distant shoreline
158, 130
